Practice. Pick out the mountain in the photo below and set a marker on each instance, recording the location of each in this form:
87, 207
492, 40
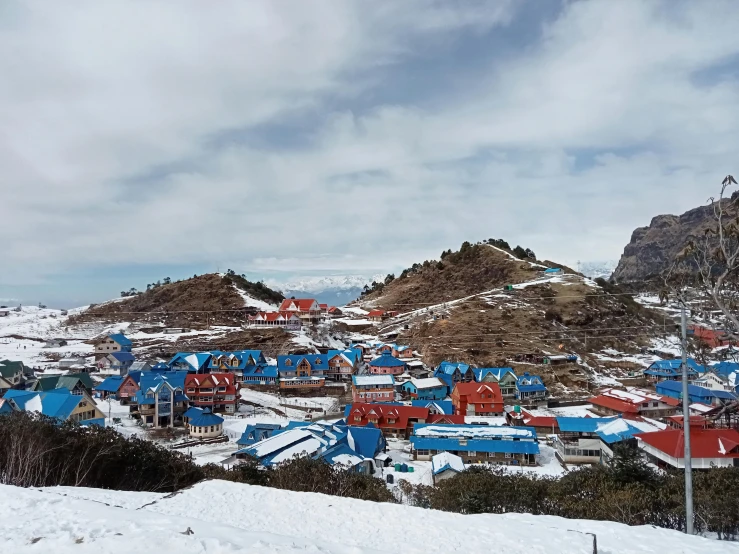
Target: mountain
653, 248
335, 290
597, 269
203, 300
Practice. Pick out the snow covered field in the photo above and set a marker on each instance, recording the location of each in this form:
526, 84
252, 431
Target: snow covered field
226, 517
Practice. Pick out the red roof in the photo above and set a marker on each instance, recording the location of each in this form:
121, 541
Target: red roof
695, 420
705, 443
376, 313
541, 421
302, 304
383, 412
445, 418
614, 404
333, 309
474, 391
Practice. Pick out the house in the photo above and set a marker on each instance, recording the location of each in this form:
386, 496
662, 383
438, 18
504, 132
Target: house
445, 465
204, 425
55, 343
402, 351
709, 448
257, 432
633, 402
530, 388
432, 388
116, 361
478, 399
11, 376
710, 337
674, 389
504, 376
336, 444
544, 425
558, 359
377, 315
578, 441
217, 392
116, 342
76, 383
302, 370
395, 420
621, 432
722, 376
195, 362
387, 365
476, 443
74, 363
333, 311
142, 366
435, 407
454, 372
287, 320
671, 370
109, 387
258, 375
129, 387
552, 271
342, 364
59, 404
373, 388
307, 309
161, 401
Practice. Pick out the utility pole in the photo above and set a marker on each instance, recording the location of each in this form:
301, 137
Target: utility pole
686, 426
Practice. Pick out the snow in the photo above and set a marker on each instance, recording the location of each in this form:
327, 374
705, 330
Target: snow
307, 447
446, 459
428, 383
353, 310
254, 303
347, 460
45, 521
274, 443
34, 405
615, 427
373, 379
472, 431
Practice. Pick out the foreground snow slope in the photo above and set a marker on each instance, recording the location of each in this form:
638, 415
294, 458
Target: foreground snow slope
228, 517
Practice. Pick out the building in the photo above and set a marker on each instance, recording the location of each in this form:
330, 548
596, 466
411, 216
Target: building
387, 365
674, 389
204, 425
477, 399
633, 402
286, 320
711, 337
578, 441
76, 383
504, 376
116, 342
395, 420
671, 370
129, 387
342, 364
435, 407
307, 309
141, 366
55, 343
217, 392
257, 432
530, 388
116, 361
377, 315
11, 376
454, 372
621, 432
194, 362
59, 404
161, 401
544, 425
476, 443
431, 388
109, 387
373, 388
258, 375
302, 371
722, 376
445, 465
709, 448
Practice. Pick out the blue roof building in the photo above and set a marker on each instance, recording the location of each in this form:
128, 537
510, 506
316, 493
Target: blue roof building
161, 400
59, 404
671, 370
443, 407
431, 388
530, 388
504, 376
454, 372
302, 365
205, 425
110, 386
387, 364
674, 389
260, 374
194, 362
552, 270
257, 432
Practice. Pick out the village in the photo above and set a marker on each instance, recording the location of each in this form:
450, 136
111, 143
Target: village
376, 408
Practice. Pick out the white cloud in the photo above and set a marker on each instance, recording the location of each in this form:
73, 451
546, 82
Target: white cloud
114, 117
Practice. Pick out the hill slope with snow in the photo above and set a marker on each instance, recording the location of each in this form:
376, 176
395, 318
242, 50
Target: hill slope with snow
230, 517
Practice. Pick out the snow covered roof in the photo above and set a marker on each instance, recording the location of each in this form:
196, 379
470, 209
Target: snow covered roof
429, 383
444, 461
472, 431
368, 380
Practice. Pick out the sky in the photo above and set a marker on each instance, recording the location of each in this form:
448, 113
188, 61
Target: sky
145, 139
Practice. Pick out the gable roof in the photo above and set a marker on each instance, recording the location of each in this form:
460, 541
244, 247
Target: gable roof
64, 382
123, 356
227, 380
302, 304
428, 383
111, 384
376, 313
449, 368
121, 339
58, 404
316, 361
497, 372
373, 380
444, 461
473, 391
530, 383
9, 369
694, 390
445, 407
673, 367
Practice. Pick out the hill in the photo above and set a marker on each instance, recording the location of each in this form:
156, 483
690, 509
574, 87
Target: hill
653, 248
196, 302
80, 520
484, 306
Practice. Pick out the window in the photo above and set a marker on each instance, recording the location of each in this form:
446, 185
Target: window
357, 418
422, 452
390, 420
472, 453
508, 455
491, 454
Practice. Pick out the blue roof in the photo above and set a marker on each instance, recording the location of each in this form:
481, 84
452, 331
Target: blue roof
475, 445
123, 356
196, 360
149, 379
445, 407
368, 441
331, 454
205, 419
552, 270
317, 361
123, 340
386, 360
354, 354
256, 432
59, 403
261, 370
695, 390
609, 435
136, 375
673, 367
530, 383
725, 368
497, 372
5, 408
111, 384
581, 424
192, 411
161, 366
449, 368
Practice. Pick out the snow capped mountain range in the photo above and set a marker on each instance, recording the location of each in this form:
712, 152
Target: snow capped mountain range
336, 290
597, 269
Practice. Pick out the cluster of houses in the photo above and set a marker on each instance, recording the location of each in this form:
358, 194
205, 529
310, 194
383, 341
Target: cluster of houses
293, 313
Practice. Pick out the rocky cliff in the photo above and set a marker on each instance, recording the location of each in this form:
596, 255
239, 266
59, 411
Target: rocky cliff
652, 248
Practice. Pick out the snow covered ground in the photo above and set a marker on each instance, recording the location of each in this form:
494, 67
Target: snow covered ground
226, 517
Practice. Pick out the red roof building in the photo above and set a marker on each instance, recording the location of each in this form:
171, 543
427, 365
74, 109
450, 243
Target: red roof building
276, 319
217, 391
709, 447
480, 399
305, 308
711, 337
633, 402
395, 419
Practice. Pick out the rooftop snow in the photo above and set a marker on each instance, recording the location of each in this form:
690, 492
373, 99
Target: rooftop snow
446, 460
374, 380
472, 431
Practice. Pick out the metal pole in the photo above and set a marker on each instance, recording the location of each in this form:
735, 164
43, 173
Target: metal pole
686, 427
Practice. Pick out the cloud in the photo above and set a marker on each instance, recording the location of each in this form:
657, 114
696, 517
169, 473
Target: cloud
255, 134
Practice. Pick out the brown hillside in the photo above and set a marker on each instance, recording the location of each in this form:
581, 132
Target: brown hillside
194, 302
472, 270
